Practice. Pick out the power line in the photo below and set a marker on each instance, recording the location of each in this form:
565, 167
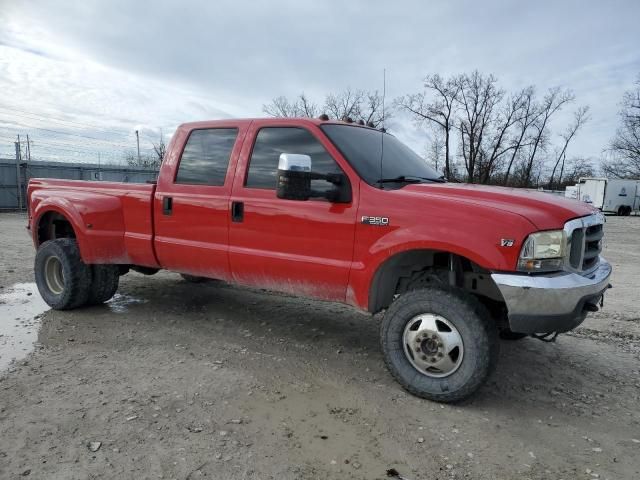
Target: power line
63, 133
49, 140
57, 120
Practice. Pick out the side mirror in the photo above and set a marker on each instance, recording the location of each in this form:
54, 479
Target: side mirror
294, 177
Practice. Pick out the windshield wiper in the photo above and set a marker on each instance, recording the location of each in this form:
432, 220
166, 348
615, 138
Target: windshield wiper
410, 179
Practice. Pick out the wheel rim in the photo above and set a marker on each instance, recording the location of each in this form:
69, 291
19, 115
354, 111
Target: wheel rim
53, 275
433, 345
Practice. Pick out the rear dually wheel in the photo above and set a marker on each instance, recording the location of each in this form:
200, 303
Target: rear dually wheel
62, 278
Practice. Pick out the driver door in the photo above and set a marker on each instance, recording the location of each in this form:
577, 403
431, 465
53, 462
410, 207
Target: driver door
301, 247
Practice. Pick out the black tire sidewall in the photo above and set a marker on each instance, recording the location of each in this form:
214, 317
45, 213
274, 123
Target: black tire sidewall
478, 339
104, 283
77, 277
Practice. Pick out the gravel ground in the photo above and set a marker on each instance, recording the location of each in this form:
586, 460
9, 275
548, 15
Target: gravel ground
176, 380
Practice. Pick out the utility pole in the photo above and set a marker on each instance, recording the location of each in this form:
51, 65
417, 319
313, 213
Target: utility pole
138, 142
28, 149
18, 182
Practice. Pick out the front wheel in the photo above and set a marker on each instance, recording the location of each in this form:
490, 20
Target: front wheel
63, 279
439, 343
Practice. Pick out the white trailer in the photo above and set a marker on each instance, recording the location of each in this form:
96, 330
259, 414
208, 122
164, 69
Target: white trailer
610, 195
571, 192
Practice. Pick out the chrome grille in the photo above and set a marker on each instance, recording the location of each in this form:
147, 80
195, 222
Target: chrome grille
592, 246
584, 242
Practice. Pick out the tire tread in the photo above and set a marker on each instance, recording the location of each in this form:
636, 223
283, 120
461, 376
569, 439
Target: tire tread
451, 296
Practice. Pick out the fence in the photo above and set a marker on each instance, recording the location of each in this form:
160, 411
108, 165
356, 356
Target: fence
11, 197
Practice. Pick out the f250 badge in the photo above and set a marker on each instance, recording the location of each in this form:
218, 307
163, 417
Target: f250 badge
377, 221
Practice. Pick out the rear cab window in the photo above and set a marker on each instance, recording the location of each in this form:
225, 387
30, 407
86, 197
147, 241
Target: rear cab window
206, 155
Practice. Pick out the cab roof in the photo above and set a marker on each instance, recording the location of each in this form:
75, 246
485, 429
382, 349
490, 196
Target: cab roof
270, 120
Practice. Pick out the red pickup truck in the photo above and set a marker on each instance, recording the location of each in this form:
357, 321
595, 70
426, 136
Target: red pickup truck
339, 212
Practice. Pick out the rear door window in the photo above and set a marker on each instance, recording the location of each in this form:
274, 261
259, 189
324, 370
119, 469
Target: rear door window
206, 155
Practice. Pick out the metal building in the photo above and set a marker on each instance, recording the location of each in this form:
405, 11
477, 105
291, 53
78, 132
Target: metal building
10, 195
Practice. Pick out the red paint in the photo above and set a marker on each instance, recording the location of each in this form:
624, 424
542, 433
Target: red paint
313, 248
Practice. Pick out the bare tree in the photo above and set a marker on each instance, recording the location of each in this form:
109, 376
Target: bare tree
349, 104
575, 169
160, 149
372, 110
580, 116
500, 142
435, 105
306, 108
435, 153
345, 104
146, 161
625, 146
529, 113
283, 107
478, 97
552, 103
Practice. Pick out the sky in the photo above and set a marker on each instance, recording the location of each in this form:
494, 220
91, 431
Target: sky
81, 76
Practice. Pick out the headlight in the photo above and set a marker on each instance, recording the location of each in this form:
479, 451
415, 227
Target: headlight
543, 252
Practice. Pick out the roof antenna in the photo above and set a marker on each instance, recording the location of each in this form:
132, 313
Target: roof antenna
383, 130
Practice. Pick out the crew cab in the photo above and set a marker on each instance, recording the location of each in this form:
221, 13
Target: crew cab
339, 212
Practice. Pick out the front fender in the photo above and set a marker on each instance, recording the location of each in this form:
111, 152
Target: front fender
479, 246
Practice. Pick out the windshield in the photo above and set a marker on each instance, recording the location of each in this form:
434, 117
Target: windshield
363, 148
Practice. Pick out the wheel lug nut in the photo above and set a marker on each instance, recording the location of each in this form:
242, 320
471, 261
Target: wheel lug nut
440, 354
418, 350
424, 357
433, 359
418, 340
440, 345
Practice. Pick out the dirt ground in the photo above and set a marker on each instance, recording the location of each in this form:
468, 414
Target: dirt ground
189, 381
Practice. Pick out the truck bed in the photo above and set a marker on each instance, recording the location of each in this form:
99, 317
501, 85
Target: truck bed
112, 221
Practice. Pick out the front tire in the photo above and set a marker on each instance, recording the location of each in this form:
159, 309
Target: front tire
63, 279
439, 343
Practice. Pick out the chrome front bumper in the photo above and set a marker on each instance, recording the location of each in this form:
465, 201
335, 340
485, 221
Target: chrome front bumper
551, 303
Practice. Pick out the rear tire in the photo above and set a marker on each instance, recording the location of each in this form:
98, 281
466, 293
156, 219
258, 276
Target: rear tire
63, 279
457, 318
624, 211
104, 283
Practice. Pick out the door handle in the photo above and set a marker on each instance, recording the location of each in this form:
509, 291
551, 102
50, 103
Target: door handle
237, 211
167, 205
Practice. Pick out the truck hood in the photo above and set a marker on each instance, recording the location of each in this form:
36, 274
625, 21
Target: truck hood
545, 211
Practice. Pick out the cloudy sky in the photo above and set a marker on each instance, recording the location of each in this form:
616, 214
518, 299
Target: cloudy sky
99, 69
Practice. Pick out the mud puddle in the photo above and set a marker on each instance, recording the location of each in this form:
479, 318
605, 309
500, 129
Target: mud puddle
20, 310
120, 303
